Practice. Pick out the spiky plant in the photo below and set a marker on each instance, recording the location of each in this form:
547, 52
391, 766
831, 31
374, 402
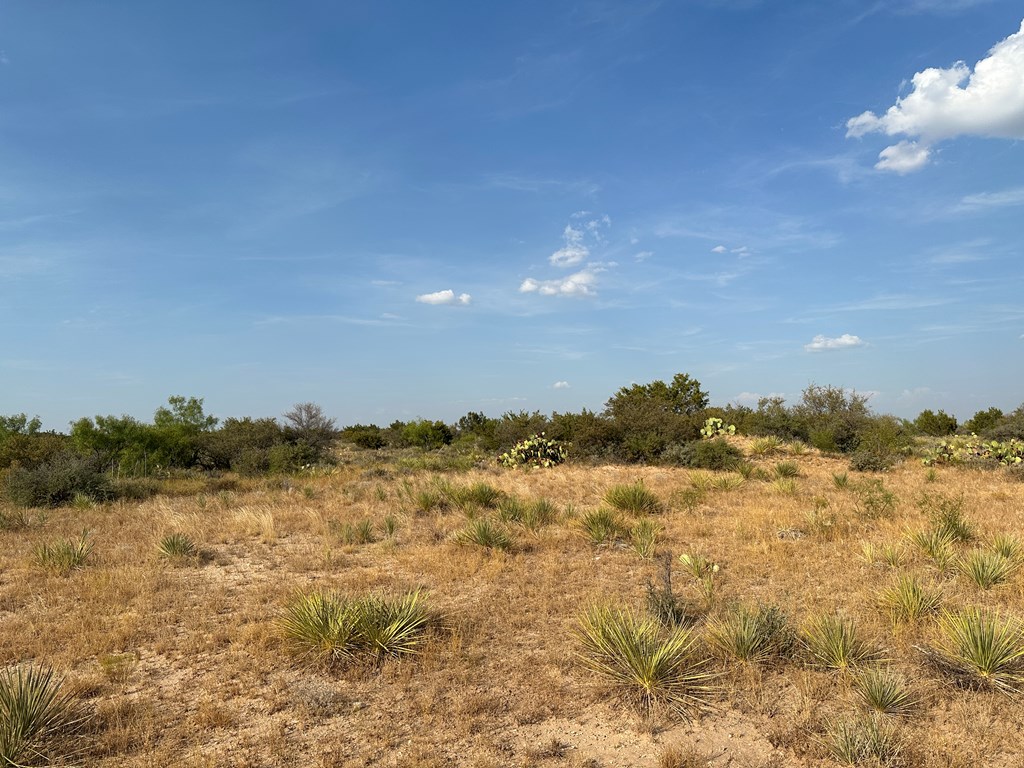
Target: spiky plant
511, 510
765, 446
481, 494
538, 514
907, 600
948, 517
601, 526
864, 740
1008, 545
336, 629
886, 691
484, 533
752, 636
981, 649
64, 555
429, 500
177, 547
833, 642
634, 499
937, 546
644, 537
785, 486
986, 568
798, 448
729, 482
33, 712
787, 469
840, 480
646, 666
701, 481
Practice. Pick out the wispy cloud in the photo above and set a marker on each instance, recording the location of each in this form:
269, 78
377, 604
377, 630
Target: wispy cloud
951, 102
1005, 198
822, 343
446, 297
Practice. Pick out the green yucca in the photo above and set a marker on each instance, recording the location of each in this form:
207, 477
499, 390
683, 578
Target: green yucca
833, 642
601, 526
986, 568
765, 446
538, 514
840, 480
936, 545
64, 555
981, 648
644, 536
337, 629
1008, 545
798, 448
634, 499
177, 546
479, 494
907, 600
886, 691
750, 636
787, 469
33, 710
729, 482
785, 485
511, 510
645, 665
429, 501
863, 740
701, 482
947, 516
484, 533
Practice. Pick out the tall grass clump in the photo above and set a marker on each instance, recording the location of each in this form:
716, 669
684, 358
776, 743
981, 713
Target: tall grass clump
981, 649
752, 636
64, 555
833, 642
986, 568
1007, 545
177, 547
484, 533
948, 518
646, 666
335, 629
601, 526
906, 600
481, 494
787, 469
634, 499
644, 538
765, 446
33, 712
937, 546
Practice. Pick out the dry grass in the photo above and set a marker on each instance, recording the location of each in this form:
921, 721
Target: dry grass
188, 666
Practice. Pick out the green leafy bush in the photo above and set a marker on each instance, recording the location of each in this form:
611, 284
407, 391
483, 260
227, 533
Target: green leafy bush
57, 482
714, 454
536, 451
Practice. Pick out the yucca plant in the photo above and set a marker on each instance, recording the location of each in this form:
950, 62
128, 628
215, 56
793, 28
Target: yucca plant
704, 572
701, 482
765, 446
986, 568
832, 642
336, 629
752, 636
798, 448
484, 533
64, 555
511, 510
429, 500
981, 649
729, 482
885, 691
33, 712
948, 518
538, 514
840, 480
177, 546
1007, 545
645, 665
864, 740
482, 495
785, 485
787, 469
908, 600
644, 537
601, 526
937, 546
634, 499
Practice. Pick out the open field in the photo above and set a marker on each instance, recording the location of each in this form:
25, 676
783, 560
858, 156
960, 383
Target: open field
184, 662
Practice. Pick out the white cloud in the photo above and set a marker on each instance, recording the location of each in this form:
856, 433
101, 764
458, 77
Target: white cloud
560, 385
1003, 199
821, 343
580, 283
574, 250
643, 255
945, 103
904, 157
445, 297
719, 249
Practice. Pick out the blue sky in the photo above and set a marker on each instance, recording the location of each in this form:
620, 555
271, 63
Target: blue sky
408, 209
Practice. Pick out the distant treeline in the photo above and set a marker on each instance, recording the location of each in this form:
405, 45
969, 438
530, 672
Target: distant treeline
657, 422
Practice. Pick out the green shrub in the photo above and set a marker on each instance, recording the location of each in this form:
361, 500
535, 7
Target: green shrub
935, 424
645, 666
715, 454
57, 482
634, 499
428, 435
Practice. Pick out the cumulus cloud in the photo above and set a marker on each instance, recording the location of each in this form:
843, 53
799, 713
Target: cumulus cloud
820, 343
445, 297
582, 283
560, 385
719, 249
945, 103
576, 250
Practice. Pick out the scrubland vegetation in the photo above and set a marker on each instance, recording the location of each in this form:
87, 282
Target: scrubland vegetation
662, 584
